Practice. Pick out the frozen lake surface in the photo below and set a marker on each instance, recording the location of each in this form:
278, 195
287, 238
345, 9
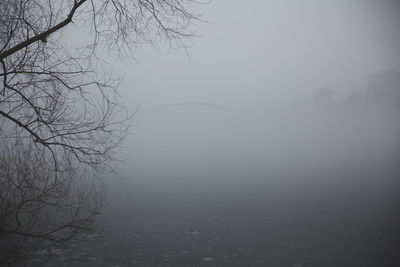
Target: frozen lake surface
343, 218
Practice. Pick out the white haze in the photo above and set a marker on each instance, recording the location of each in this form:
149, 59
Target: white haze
233, 162
228, 106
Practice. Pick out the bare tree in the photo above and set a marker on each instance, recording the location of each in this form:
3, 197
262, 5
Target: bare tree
36, 210
60, 117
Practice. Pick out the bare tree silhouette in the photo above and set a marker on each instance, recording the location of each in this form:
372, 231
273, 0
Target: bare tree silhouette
61, 121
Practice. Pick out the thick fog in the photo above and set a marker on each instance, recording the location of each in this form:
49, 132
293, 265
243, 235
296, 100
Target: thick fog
242, 99
273, 140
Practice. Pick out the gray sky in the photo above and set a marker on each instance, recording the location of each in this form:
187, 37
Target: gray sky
255, 55
269, 52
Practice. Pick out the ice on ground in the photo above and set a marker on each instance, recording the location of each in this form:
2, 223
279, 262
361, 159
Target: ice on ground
42, 252
92, 236
207, 259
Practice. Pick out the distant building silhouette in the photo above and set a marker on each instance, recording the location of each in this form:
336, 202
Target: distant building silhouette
384, 89
323, 99
354, 102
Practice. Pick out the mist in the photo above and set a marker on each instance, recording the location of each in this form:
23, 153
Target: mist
243, 101
272, 141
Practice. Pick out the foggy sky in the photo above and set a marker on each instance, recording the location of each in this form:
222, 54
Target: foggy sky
250, 58
269, 52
